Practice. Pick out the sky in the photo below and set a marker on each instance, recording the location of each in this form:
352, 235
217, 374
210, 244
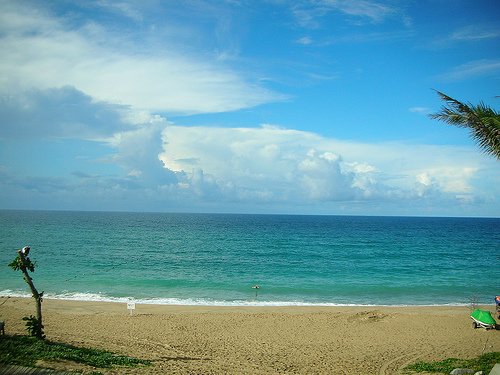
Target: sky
246, 106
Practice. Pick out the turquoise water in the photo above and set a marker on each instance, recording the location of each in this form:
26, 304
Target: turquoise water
216, 259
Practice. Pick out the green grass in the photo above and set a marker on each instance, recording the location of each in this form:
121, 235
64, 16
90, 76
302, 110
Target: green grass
482, 363
25, 351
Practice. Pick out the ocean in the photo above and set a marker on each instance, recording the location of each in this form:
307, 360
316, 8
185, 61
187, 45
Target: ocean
218, 259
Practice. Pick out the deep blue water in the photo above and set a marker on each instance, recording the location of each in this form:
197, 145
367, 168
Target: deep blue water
216, 259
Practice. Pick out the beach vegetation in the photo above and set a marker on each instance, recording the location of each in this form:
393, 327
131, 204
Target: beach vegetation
26, 351
23, 263
32, 325
482, 121
483, 363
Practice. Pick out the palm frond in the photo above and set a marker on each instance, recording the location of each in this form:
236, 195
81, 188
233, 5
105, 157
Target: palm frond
482, 121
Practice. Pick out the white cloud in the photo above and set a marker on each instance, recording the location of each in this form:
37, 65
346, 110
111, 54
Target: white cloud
309, 13
372, 10
128, 9
40, 51
267, 162
468, 34
305, 40
421, 110
168, 167
474, 33
473, 69
137, 150
276, 164
455, 180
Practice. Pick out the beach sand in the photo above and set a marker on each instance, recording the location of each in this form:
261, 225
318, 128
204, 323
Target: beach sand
259, 340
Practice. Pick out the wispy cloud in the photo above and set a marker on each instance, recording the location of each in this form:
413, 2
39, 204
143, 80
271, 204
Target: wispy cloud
374, 11
318, 15
421, 110
115, 70
125, 8
466, 34
472, 69
305, 40
309, 13
474, 33
369, 37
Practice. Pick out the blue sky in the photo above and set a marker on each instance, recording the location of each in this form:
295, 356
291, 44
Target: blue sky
310, 107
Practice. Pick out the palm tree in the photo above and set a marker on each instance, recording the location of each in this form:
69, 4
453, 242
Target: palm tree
483, 122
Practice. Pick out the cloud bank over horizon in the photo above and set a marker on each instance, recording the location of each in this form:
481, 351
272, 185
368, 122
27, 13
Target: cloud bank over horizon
268, 168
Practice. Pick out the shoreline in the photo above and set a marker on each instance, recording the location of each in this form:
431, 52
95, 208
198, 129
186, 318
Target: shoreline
119, 306
77, 297
186, 339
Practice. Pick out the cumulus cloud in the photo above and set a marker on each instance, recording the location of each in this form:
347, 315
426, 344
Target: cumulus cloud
265, 163
137, 150
169, 167
276, 164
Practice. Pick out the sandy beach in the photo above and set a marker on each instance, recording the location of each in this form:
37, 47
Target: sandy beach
260, 340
